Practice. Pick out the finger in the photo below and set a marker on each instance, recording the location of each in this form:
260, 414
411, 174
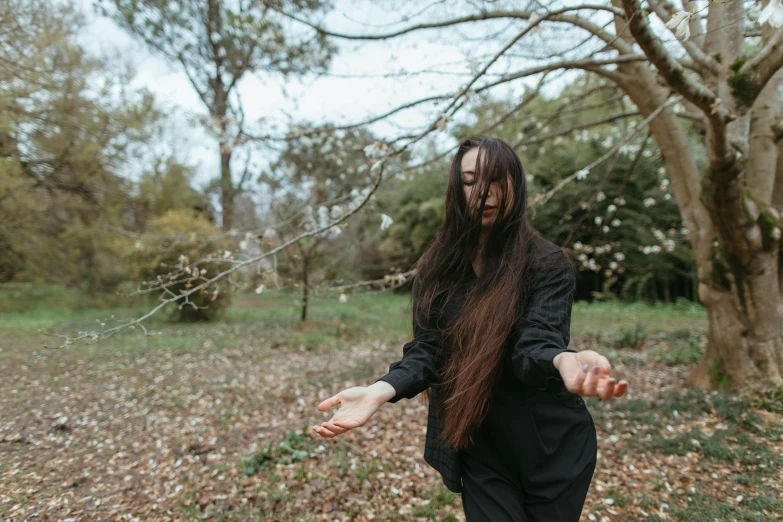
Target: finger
621, 388
606, 388
329, 403
324, 432
581, 380
334, 428
591, 382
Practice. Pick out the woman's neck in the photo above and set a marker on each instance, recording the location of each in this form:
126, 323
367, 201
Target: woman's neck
477, 260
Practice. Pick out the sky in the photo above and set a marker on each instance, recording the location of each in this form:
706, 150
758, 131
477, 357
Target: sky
340, 100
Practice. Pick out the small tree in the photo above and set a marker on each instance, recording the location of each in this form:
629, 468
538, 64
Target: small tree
217, 43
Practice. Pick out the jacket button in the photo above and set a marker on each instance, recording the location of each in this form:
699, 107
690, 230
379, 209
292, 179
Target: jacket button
579, 401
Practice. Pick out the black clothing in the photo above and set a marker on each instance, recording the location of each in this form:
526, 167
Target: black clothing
533, 418
532, 460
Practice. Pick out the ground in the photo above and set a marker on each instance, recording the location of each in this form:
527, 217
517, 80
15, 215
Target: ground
212, 422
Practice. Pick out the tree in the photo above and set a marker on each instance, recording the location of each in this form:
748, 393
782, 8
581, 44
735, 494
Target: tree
725, 75
217, 43
66, 132
317, 174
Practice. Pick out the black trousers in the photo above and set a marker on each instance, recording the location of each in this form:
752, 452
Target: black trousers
532, 459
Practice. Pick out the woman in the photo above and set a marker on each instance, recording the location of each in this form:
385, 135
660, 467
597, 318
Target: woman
492, 301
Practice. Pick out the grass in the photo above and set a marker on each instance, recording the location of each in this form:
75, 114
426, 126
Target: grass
607, 317
261, 329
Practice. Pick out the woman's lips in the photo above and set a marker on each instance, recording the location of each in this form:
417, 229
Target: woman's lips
488, 210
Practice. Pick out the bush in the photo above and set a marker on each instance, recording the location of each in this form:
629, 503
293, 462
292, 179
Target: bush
180, 242
629, 336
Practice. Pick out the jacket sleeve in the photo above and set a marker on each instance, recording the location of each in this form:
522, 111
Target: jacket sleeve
420, 363
544, 329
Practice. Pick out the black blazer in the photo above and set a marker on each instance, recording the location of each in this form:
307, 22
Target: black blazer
539, 335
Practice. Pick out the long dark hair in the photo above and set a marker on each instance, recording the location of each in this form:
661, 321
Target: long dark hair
473, 342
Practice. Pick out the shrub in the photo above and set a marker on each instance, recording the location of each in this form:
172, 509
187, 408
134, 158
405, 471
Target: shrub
629, 336
171, 258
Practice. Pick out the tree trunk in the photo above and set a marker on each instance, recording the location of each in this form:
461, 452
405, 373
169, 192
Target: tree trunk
744, 347
226, 187
732, 223
305, 286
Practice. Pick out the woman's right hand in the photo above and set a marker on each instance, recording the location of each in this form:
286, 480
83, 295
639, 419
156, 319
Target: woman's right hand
357, 405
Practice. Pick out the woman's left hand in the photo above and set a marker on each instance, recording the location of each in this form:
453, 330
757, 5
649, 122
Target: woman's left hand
587, 374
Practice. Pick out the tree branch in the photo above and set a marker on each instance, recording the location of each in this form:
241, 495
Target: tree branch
675, 77
765, 64
665, 9
555, 16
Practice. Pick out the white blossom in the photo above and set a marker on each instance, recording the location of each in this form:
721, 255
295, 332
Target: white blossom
578, 245
680, 24
260, 289
582, 174
773, 14
605, 228
376, 151
648, 202
616, 222
684, 231
343, 298
386, 221
334, 232
535, 17
337, 212
664, 183
613, 265
598, 220
619, 256
611, 208
600, 196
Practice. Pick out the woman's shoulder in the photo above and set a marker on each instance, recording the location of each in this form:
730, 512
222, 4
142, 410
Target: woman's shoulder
548, 252
551, 260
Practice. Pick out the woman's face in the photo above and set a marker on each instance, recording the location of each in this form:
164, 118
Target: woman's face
489, 215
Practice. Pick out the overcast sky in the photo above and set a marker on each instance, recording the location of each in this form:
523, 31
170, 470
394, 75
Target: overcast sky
337, 99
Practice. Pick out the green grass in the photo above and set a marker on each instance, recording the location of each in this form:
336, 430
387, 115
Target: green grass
659, 317
372, 314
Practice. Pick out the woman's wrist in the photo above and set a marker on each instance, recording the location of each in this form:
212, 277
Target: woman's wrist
382, 391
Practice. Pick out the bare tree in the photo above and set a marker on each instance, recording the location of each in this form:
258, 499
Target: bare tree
217, 43
724, 69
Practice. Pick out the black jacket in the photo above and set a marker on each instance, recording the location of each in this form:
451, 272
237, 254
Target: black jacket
539, 335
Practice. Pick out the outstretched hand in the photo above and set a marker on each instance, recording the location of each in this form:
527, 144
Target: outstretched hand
587, 373
357, 405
